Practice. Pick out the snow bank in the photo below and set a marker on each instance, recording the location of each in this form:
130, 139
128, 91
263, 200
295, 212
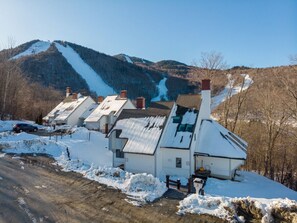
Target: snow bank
162, 89
94, 80
230, 90
227, 208
259, 195
35, 48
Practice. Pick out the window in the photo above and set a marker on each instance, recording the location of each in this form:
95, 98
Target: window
178, 162
119, 153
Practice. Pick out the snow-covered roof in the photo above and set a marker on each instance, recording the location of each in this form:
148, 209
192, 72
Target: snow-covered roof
62, 111
215, 140
110, 104
142, 133
180, 128
89, 110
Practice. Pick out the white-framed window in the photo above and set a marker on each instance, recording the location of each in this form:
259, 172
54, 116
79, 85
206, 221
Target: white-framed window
178, 162
119, 153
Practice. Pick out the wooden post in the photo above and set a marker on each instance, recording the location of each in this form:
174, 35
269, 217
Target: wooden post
89, 136
167, 181
56, 138
178, 184
189, 185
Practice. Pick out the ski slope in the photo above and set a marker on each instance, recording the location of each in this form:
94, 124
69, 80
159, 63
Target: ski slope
35, 48
162, 89
94, 81
231, 90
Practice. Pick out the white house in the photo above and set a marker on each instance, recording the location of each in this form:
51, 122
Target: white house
177, 142
105, 115
69, 110
135, 137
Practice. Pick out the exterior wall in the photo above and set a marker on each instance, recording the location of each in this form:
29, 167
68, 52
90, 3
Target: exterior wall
116, 162
159, 153
73, 118
114, 144
139, 163
219, 167
92, 125
169, 162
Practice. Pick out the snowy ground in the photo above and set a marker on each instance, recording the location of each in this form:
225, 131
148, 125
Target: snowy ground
8, 125
88, 155
230, 90
93, 80
162, 89
222, 195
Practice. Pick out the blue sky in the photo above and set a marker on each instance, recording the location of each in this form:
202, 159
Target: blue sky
256, 33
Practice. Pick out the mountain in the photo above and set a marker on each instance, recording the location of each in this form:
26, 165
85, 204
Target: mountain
60, 64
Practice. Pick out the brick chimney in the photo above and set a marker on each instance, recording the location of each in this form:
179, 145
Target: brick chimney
206, 100
68, 91
100, 99
74, 96
123, 94
140, 103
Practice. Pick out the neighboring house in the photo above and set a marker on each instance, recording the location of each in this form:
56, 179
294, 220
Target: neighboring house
135, 137
176, 139
69, 110
86, 114
105, 115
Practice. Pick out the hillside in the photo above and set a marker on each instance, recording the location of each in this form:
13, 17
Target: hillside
60, 64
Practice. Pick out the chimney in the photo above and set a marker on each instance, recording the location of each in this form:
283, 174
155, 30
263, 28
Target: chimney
74, 96
100, 99
68, 91
123, 94
206, 100
140, 103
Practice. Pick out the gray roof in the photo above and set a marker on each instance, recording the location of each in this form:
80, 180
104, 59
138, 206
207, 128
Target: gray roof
159, 108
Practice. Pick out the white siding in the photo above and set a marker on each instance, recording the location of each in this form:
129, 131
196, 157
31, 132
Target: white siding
169, 162
219, 167
139, 163
117, 161
73, 118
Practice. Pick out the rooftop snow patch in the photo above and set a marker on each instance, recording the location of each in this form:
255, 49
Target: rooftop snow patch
142, 133
215, 140
94, 81
35, 48
110, 104
231, 90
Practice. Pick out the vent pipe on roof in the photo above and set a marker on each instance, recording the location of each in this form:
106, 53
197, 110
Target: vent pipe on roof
140, 103
100, 99
68, 91
123, 94
206, 100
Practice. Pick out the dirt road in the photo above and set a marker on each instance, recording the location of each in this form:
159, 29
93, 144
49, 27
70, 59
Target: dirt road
34, 190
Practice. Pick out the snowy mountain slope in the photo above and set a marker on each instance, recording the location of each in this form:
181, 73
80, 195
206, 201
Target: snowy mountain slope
230, 90
162, 89
94, 81
35, 48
